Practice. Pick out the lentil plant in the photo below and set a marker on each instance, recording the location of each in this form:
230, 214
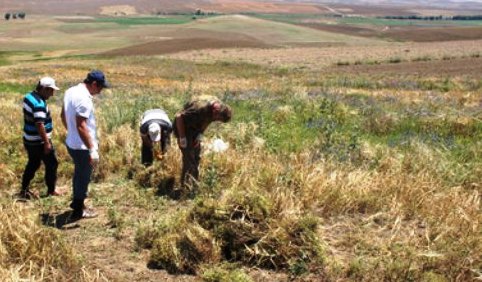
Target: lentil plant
326, 178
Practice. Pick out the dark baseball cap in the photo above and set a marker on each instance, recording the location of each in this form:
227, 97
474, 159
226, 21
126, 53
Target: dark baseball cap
99, 77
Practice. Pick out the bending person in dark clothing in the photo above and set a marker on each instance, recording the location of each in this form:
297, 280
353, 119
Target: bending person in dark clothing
190, 123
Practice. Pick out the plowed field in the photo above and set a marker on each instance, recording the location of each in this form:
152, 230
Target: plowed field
184, 44
412, 33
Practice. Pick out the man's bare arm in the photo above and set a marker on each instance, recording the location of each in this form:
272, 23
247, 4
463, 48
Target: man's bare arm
84, 131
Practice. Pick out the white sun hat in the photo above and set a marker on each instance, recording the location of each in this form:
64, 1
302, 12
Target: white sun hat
48, 82
154, 132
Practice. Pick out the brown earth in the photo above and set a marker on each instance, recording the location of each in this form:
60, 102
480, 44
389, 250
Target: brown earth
434, 34
412, 33
196, 42
345, 29
115, 259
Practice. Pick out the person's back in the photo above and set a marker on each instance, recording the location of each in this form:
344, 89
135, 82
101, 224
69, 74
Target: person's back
78, 102
155, 126
35, 107
155, 114
197, 115
189, 125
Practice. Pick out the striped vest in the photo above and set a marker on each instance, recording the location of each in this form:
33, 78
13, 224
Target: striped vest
35, 110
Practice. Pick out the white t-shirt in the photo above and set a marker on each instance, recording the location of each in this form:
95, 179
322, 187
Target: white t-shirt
78, 102
155, 114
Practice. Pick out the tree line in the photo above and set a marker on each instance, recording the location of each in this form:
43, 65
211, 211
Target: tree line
434, 18
19, 15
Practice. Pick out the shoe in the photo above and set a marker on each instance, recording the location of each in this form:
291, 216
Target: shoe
85, 213
28, 195
89, 213
54, 193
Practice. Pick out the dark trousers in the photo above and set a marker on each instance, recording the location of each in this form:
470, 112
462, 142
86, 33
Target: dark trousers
191, 158
82, 173
36, 155
147, 155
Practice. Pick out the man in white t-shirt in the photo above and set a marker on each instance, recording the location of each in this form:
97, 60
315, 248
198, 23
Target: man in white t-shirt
79, 120
155, 127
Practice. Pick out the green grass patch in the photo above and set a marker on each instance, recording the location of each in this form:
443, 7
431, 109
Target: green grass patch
3, 59
289, 18
182, 19
300, 18
9, 87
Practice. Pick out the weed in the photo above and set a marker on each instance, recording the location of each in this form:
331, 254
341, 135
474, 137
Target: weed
224, 273
394, 60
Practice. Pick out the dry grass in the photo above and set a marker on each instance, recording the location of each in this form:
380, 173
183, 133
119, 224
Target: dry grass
409, 211
320, 58
35, 253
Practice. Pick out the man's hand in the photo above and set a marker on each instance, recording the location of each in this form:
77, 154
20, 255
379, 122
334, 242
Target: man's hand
197, 141
182, 142
94, 157
47, 148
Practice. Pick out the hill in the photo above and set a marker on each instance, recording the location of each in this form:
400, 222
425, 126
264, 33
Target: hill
113, 7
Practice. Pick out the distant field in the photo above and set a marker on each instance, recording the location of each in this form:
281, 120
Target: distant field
146, 20
394, 22
51, 37
184, 44
320, 58
273, 32
357, 20
390, 29
45, 37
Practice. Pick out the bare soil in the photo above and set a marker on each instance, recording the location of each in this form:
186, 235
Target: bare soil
434, 34
345, 29
115, 259
412, 33
186, 40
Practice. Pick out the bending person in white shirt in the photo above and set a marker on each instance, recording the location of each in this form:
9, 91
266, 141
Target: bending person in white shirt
155, 129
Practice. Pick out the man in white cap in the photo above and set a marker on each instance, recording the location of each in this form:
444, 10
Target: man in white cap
155, 127
37, 131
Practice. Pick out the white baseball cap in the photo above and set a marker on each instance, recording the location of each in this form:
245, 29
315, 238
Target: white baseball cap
154, 132
48, 82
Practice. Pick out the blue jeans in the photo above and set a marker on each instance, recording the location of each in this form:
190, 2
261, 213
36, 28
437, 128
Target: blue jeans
82, 173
